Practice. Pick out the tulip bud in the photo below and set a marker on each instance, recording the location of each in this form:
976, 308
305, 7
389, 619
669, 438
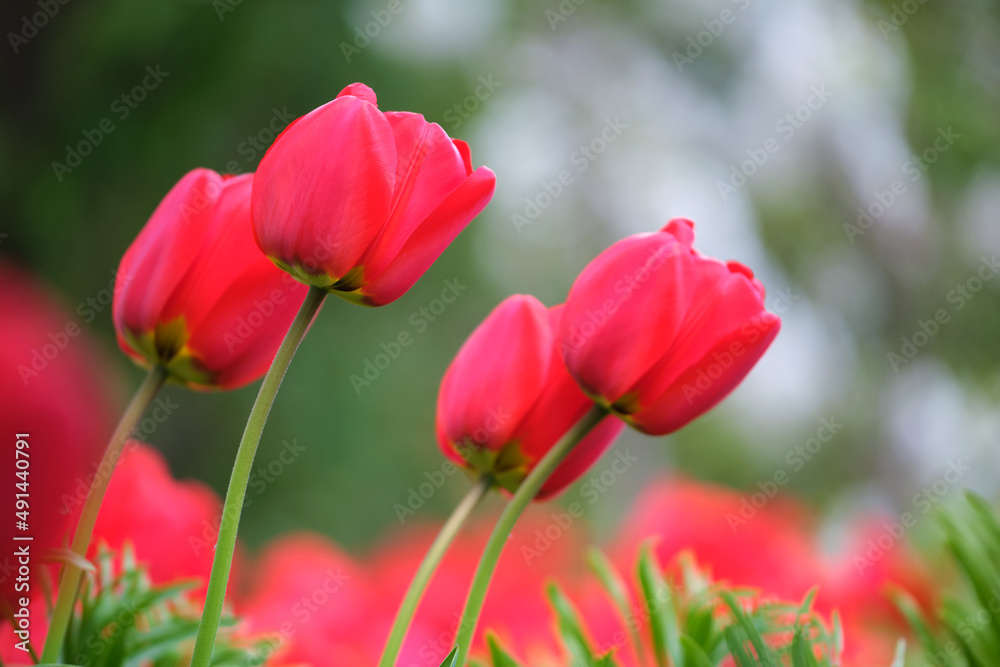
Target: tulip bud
362, 202
506, 400
194, 292
658, 333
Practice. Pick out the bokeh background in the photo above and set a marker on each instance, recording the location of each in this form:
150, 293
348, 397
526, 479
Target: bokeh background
694, 90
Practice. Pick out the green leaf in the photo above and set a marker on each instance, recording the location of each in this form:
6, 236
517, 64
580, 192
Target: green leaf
736, 640
614, 585
570, 627
499, 656
694, 655
750, 630
910, 610
802, 651
452, 658
663, 614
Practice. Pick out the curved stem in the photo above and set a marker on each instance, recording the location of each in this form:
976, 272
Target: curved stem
70, 581
426, 570
515, 507
236, 493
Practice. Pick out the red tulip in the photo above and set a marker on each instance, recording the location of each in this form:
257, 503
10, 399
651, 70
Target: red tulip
775, 548
659, 333
362, 202
195, 293
314, 604
53, 388
172, 525
506, 399
544, 544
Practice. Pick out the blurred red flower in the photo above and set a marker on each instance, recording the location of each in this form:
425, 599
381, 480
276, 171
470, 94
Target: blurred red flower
315, 605
542, 546
328, 609
362, 202
54, 388
660, 333
194, 292
506, 399
775, 549
172, 525
323, 608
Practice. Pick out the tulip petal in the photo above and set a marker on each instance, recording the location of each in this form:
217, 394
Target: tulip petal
466, 153
360, 91
431, 238
496, 377
239, 337
704, 383
226, 247
429, 167
560, 406
322, 191
163, 252
557, 409
624, 312
726, 301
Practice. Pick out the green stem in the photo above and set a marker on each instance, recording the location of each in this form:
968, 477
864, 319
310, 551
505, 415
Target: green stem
235, 495
70, 582
426, 570
515, 507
